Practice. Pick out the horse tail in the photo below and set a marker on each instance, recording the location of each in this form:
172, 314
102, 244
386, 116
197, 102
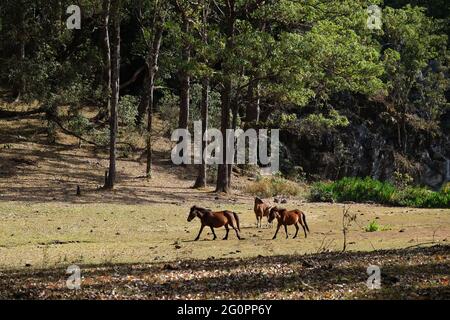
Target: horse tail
303, 216
236, 216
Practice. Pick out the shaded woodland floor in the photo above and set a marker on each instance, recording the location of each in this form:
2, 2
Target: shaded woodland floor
421, 273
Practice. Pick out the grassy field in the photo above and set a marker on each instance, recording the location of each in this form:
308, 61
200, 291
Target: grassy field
147, 252
47, 235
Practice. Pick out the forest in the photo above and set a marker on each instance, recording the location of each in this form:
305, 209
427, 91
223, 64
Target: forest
91, 92
350, 100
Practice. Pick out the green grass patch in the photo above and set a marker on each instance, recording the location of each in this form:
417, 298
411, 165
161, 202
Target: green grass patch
373, 226
370, 190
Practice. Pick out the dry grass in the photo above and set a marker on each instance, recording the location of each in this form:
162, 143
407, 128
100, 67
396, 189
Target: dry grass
57, 234
275, 186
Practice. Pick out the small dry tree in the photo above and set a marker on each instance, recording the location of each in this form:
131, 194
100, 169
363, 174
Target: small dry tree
347, 220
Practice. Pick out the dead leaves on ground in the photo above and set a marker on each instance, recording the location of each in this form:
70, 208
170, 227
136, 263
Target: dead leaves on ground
420, 273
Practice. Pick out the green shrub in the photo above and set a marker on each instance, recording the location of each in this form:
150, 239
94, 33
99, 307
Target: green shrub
363, 190
128, 110
373, 226
101, 137
79, 125
422, 198
368, 189
446, 188
322, 192
402, 180
169, 106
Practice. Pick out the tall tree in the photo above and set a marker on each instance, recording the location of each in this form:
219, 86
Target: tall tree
229, 20
201, 181
414, 56
184, 12
152, 18
115, 91
105, 109
107, 52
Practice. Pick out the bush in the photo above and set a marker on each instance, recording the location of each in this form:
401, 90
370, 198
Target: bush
422, 198
266, 187
363, 190
322, 192
446, 188
368, 189
169, 107
402, 180
354, 189
79, 124
373, 226
128, 110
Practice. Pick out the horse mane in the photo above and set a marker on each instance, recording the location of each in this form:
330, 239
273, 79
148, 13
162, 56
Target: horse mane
278, 209
258, 200
202, 210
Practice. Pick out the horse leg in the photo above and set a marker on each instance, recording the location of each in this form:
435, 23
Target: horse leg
200, 232
237, 233
297, 228
276, 232
215, 237
285, 229
304, 230
228, 230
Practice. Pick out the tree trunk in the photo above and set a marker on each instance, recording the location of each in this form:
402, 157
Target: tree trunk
252, 111
21, 55
115, 84
235, 110
405, 133
223, 184
104, 112
202, 181
143, 105
152, 62
185, 80
151, 84
201, 178
107, 54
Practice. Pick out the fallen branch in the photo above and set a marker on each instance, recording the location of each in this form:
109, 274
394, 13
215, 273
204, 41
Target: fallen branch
5, 114
74, 134
71, 133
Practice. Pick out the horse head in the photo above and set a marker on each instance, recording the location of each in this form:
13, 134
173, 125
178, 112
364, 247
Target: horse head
192, 213
273, 213
258, 200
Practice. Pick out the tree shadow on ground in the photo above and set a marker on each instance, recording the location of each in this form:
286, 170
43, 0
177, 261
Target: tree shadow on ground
420, 273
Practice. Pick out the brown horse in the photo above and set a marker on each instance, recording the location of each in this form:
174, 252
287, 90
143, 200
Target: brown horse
288, 218
262, 209
215, 220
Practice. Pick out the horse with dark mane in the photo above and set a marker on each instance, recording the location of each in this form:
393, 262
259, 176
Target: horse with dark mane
287, 218
213, 220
